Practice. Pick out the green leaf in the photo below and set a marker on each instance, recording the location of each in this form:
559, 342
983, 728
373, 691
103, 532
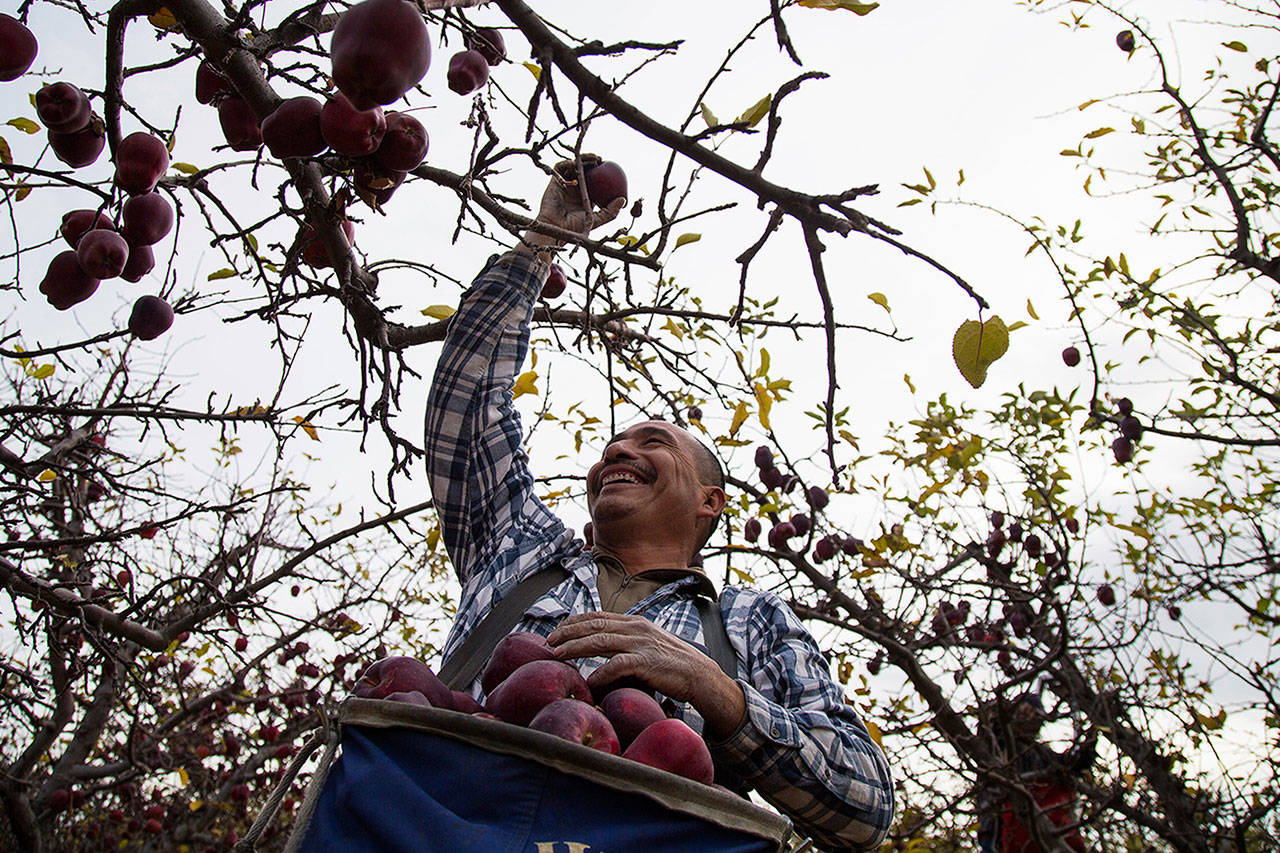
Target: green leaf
881, 300
854, 7
1236, 46
225, 272
440, 312
708, 116
6, 156
184, 168
25, 125
976, 346
756, 112
687, 238
44, 371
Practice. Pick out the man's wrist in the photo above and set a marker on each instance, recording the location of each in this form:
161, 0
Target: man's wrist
725, 710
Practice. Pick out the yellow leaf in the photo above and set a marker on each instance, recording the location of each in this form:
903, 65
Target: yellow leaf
764, 362
874, 731
440, 312
906, 377
525, 384
674, 328
1016, 325
1102, 131
1031, 309
976, 346
183, 778
687, 238
433, 538
306, 427
854, 7
44, 371
6, 156
48, 475
535, 70
756, 112
195, 805
163, 19
22, 192
739, 417
765, 402
708, 116
1087, 104
881, 300
184, 168
225, 272
1238, 46
25, 125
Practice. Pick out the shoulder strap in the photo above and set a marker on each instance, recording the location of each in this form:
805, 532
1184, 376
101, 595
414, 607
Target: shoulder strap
715, 636
464, 665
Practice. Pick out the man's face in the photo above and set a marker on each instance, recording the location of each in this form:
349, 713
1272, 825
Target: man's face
647, 474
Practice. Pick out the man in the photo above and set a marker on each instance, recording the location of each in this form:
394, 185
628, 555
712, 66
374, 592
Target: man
628, 607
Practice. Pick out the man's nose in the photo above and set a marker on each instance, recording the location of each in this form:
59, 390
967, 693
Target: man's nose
618, 451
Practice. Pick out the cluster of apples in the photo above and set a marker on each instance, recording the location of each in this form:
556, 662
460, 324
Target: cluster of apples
1130, 427
800, 523
98, 248
525, 684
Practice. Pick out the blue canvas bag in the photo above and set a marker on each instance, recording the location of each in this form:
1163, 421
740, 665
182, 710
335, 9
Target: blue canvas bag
411, 778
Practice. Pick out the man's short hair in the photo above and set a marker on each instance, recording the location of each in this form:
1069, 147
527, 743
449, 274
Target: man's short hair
710, 473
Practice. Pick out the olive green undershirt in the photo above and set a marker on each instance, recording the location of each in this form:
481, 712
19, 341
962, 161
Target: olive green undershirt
619, 591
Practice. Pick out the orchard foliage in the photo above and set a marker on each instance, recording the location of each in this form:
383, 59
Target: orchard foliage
183, 614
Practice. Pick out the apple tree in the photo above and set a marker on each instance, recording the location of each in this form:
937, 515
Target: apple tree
183, 614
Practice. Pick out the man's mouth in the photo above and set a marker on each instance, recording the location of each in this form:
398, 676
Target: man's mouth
617, 475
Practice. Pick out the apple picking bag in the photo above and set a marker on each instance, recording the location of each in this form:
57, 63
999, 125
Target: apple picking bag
412, 778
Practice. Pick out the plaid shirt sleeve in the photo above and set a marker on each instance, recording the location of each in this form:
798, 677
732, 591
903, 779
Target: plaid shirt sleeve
490, 518
802, 747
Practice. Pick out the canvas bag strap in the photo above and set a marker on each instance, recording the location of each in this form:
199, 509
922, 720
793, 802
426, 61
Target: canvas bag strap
464, 665
715, 636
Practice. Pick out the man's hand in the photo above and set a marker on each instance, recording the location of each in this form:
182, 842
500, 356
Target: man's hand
638, 648
565, 204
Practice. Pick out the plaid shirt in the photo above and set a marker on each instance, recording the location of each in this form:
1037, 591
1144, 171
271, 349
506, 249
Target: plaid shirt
802, 748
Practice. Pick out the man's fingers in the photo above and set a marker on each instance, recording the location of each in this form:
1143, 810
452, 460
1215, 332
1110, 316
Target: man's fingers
596, 645
618, 666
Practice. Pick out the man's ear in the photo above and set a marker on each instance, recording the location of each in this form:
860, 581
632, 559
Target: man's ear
713, 501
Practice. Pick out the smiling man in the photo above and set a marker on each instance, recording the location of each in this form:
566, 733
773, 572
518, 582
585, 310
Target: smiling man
629, 607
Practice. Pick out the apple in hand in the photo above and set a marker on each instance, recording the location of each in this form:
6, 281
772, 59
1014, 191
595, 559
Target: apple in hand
606, 183
512, 652
671, 745
532, 687
399, 674
575, 720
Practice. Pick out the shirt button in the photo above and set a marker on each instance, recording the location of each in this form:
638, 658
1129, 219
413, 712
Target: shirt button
774, 731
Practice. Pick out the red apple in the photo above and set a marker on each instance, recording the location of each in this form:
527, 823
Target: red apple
466, 703
210, 83
631, 711
488, 42
151, 317
81, 148
141, 261
404, 145
512, 652
672, 746
102, 253
556, 283
532, 687
76, 223
239, 124
399, 674
293, 129
1071, 356
380, 50
18, 48
1106, 595
62, 107
579, 722
350, 131
411, 697
141, 159
606, 183
314, 253
468, 71
146, 219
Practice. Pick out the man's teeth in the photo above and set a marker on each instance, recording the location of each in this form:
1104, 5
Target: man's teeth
620, 477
